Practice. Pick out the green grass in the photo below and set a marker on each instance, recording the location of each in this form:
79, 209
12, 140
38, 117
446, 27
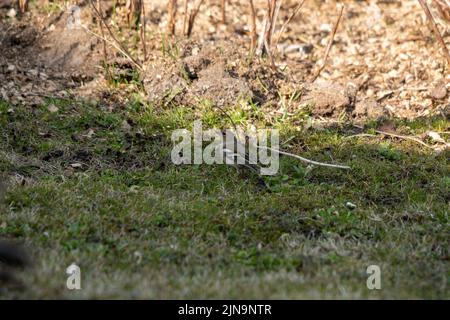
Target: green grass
141, 227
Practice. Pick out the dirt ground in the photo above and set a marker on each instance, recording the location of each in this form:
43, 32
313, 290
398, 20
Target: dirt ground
86, 141
384, 62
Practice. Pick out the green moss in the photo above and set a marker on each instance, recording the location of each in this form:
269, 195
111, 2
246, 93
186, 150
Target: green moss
130, 215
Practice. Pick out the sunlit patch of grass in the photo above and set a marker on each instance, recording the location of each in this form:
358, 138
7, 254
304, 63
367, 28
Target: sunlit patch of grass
129, 215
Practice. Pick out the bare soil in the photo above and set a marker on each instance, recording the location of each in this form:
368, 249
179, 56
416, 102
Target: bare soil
384, 62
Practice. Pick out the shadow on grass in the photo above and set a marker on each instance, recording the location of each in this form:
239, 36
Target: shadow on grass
99, 188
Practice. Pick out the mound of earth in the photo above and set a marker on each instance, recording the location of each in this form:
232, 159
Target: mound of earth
45, 56
70, 48
201, 73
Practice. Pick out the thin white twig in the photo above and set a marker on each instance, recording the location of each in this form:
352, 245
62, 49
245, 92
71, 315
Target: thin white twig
399, 136
330, 44
292, 16
114, 45
305, 159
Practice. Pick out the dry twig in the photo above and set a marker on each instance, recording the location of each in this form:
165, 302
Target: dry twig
321, 164
143, 31
223, 9
435, 29
23, 6
186, 16
118, 45
265, 39
105, 52
124, 53
292, 16
330, 44
134, 12
171, 11
192, 17
397, 136
253, 33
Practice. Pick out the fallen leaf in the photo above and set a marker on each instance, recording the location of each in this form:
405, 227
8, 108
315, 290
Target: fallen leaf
126, 126
436, 137
52, 108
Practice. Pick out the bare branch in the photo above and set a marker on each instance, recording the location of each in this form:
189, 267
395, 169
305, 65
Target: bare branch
186, 16
253, 33
338, 166
143, 31
23, 6
134, 12
192, 17
123, 50
435, 29
223, 9
105, 52
265, 37
115, 46
171, 11
292, 16
330, 44
396, 136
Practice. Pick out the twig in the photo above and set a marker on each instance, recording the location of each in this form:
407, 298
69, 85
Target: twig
330, 44
253, 34
23, 6
185, 18
105, 53
134, 12
118, 43
143, 31
115, 46
305, 159
283, 153
399, 136
269, 54
271, 10
265, 37
192, 17
171, 11
443, 7
274, 20
435, 29
292, 16
266, 25
224, 9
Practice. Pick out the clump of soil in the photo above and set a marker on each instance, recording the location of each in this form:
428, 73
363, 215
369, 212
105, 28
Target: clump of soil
328, 99
200, 73
68, 47
402, 74
369, 109
217, 85
44, 56
221, 74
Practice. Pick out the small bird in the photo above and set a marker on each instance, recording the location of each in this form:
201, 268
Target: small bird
240, 158
239, 154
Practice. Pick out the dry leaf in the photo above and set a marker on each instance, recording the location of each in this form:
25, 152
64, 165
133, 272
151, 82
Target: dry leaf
52, 108
436, 137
